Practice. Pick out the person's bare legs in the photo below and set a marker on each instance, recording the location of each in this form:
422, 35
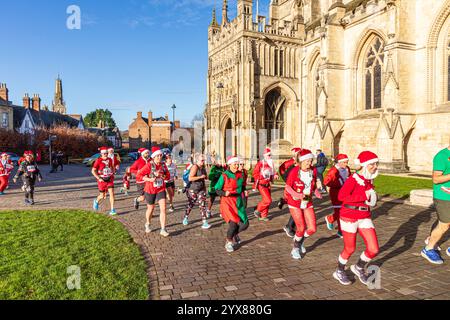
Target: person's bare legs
437, 234
162, 214
170, 193
141, 198
101, 197
111, 197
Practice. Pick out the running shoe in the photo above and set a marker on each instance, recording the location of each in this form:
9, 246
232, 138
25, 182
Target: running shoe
295, 253
303, 249
2, 193
342, 277
360, 273
95, 206
113, 212
339, 234
185, 221
265, 219
31, 202
280, 203
205, 225
330, 225
432, 256
237, 239
148, 228
171, 209
448, 251
136, 203
164, 233
289, 232
229, 246
427, 241
208, 214
257, 214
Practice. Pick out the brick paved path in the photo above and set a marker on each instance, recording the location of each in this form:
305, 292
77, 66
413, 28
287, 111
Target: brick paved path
192, 263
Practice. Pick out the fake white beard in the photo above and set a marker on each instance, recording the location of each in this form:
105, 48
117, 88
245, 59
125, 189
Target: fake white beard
269, 162
367, 175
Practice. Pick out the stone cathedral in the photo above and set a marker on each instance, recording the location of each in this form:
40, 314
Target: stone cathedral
340, 75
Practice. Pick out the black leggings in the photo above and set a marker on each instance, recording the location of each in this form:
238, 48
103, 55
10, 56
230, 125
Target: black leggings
29, 187
234, 229
291, 224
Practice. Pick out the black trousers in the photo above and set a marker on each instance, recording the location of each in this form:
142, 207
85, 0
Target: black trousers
29, 187
234, 229
291, 224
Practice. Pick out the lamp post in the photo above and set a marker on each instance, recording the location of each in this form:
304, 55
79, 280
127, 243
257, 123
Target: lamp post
173, 119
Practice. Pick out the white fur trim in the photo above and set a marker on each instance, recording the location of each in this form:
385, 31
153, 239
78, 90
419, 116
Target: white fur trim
342, 260
233, 160
156, 153
350, 227
306, 157
297, 238
343, 160
366, 224
365, 164
359, 180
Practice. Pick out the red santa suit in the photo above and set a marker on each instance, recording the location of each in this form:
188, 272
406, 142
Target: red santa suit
5, 170
159, 171
116, 161
355, 215
135, 167
300, 187
285, 168
263, 175
335, 179
105, 170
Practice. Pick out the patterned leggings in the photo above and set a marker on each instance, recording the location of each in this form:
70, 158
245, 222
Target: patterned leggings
196, 197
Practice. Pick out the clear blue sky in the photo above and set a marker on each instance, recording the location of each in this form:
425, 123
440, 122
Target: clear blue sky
129, 56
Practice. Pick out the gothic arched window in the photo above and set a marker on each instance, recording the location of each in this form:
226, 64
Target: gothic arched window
373, 69
275, 114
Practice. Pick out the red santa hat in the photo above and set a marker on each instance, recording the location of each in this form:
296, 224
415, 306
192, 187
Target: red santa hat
142, 150
103, 149
305, 154
365, 158
342, 158
267, 151
156, 151
3, 154
28, 153
232, 159
296, 150
110, 148
241, 160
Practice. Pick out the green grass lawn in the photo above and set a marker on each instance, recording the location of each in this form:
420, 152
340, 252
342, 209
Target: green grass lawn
37, 247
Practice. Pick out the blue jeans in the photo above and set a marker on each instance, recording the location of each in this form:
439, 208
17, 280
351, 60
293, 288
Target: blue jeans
320, 171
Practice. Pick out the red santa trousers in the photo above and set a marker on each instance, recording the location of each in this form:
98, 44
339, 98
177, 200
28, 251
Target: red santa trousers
266, 201
305, 221
3, 183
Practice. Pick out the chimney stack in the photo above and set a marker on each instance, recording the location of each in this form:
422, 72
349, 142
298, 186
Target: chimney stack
26, 101
167, 117
150, 117
36, 102
139, 115
4, 92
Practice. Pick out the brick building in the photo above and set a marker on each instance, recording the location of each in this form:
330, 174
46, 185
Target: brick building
6, 112
160, 130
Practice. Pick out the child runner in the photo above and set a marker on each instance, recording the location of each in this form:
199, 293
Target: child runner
302, 182
6, 167
126, 182
197, 191
230, 188
264, 174
154, 173
103, 171
135, 167
29, 171
334, 181
358, 196
170, 183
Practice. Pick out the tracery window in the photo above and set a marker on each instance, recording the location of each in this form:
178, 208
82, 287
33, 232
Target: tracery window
373, 69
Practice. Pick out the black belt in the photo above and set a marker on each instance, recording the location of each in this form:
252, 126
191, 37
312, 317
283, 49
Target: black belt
264, 185
357, 208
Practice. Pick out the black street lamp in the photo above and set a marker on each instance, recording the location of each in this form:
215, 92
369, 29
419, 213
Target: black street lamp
173, 119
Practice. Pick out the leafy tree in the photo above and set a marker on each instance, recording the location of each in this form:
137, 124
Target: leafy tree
93, 118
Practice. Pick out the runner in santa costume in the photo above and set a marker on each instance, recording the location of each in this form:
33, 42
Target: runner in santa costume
170, 182
103, 171
358, 196
29, 171
6, 167
155, 173
284, 170
334, 181
116, 161
301, 184
264, 174
135, 167
230, 188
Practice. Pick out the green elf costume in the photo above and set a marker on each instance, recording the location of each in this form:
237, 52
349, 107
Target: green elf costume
214, 176
231, 189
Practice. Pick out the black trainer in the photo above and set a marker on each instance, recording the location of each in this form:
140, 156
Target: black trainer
360, 274
280, 203
136, 203
289, 232
341, 276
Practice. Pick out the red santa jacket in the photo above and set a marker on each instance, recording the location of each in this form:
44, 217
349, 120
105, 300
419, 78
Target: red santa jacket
6, 169
334, 180
138, 165
105, 168
263, 174
116, 162
285, 166
353, 193
294, 183
159, 171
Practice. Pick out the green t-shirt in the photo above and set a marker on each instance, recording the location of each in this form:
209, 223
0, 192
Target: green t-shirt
441, 162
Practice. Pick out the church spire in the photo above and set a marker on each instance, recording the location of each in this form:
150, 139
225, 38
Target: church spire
58, 103
214, 19
225, 12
